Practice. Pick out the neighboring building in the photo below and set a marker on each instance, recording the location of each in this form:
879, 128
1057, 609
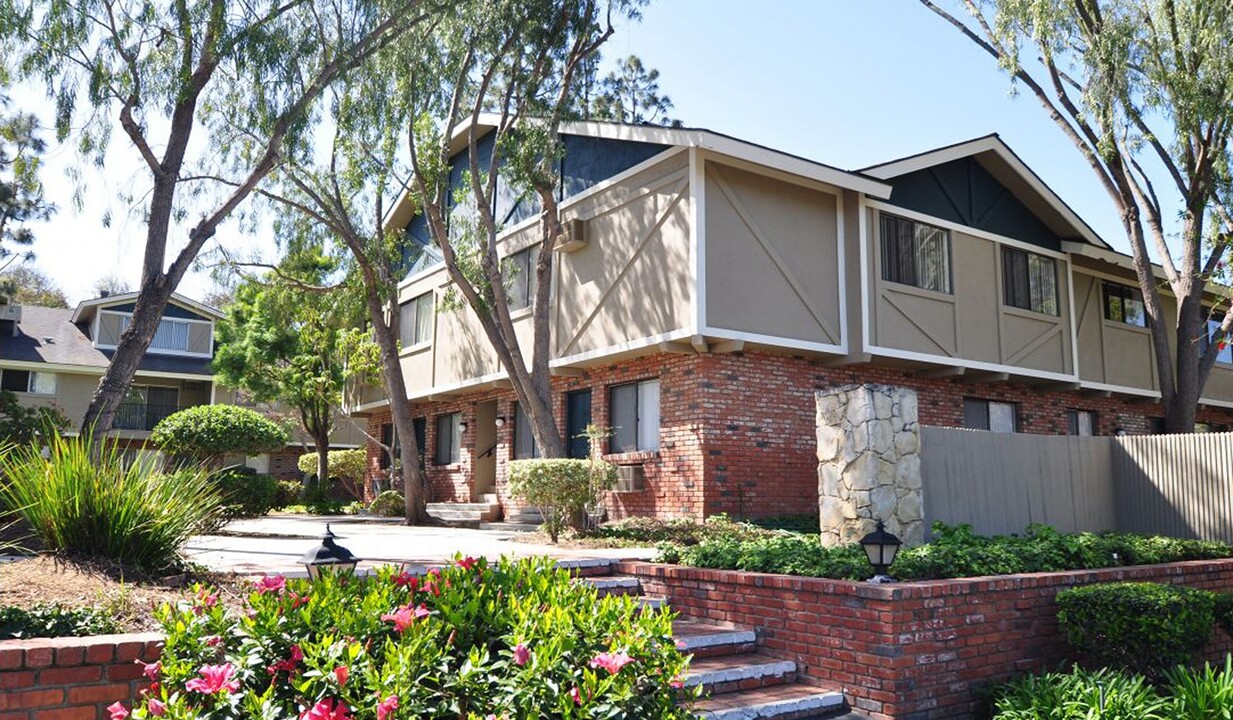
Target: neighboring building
710, 286
56, 356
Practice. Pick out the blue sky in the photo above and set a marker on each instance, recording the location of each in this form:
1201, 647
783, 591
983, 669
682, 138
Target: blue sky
845, 82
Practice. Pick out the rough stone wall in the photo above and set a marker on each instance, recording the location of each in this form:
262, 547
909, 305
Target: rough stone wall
869, 463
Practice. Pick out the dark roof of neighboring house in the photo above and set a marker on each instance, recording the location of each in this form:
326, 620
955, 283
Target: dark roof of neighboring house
48, 335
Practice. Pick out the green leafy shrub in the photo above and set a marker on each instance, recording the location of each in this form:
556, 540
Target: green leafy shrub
245, 493
955, 551
54, 621
389, 504
346, 466
289, 492
1141, 627
20, 424
1080, 695
514, 639
680, 531
83, 501
560, 488
208, 432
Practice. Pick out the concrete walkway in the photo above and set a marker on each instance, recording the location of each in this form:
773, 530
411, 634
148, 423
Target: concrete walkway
274, 544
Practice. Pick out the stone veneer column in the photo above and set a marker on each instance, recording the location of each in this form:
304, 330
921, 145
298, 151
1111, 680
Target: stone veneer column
868, 463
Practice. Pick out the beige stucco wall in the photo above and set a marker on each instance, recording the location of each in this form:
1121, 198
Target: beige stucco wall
631, 281
971, 323
772, 257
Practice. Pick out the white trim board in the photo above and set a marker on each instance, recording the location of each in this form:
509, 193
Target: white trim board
970, 364
775, 340
96, 370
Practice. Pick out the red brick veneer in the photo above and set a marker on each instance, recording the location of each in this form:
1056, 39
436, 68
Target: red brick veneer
907, 651
737, 431
72, 678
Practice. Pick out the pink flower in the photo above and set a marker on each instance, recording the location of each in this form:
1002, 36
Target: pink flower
341, 673
327, 710
577, 696
521, 654
214, 679
205, 601
156, 707
298, 600
676, 684
387, 706
288, 665
213, 640
680, 645
405, 615
118, 711
612, 662
268, 583
467, 563
406, 579
152, 670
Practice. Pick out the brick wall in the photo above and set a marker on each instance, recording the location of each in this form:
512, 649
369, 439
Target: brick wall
284, 464
907, 651
737, 431
72, 678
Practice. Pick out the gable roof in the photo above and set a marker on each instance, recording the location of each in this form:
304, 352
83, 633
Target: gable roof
1007, 168
50, 336
86, 308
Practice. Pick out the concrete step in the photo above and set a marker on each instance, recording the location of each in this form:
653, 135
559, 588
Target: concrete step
464, 512
614, 584
652, 602
781, 702
703, 639
519, 527
587, 567
734, 673
526, 515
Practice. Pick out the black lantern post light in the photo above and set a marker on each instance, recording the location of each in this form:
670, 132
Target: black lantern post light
328, 555
881, 548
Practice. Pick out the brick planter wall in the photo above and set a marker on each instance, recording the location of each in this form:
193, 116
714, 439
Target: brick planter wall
908, 651
72, 678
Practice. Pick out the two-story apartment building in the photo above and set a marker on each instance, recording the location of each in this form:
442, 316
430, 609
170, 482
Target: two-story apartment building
56, 356
709, 286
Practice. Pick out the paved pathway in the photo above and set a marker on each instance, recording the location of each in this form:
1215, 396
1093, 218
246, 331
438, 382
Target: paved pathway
275, 544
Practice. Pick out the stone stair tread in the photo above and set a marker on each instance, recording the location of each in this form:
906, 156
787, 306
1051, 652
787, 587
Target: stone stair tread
692, 635
779, 701
462, 506
612, 582
734, 668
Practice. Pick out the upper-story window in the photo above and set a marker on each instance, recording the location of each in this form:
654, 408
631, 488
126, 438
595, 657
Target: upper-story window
1124, 304
25, 381
634, 414
915, 254
518, 275
415, 320
1029, 281
171, 334
1224, 353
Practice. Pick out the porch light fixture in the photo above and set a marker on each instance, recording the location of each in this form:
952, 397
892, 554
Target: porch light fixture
328, 556
881, 548
462, 426
499, 422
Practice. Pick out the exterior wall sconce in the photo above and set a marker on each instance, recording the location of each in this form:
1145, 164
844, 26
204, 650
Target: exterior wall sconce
881, 548
462, 426
500, 421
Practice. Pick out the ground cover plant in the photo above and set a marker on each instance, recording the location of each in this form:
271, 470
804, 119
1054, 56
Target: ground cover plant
84, 502
54, 621
953, 552
510, 639
1184, 694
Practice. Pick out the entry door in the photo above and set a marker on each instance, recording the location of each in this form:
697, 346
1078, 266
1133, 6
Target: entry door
577, 417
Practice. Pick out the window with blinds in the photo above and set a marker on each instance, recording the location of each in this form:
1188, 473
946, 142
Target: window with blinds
1029, 281
915, 254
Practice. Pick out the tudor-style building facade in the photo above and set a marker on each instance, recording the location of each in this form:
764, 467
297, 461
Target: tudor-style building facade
711, 286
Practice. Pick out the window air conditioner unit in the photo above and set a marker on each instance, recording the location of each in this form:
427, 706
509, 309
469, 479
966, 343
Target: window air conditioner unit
573, 237
630, 478
11, 313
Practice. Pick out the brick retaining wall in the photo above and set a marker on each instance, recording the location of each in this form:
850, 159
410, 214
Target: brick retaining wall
72, 678
907, 651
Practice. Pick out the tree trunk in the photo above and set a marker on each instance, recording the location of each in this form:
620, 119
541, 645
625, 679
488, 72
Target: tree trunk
147, 314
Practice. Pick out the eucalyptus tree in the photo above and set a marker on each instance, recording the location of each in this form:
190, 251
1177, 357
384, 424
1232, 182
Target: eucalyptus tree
199, 88
523, 62
1144, 91
21, 192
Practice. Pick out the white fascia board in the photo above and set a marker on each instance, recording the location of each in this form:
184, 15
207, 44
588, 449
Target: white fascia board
176, 299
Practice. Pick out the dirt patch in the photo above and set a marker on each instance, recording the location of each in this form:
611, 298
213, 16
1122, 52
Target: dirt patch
39, 581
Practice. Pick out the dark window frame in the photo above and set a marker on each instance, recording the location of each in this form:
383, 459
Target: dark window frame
411, 320
9, 383
519, 277
617, 441
524, 435
450, 454
978, 414
902, 250
1021, 278
1072, 421
1124, 295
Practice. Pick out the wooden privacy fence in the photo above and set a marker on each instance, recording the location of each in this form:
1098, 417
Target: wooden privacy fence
1176, 485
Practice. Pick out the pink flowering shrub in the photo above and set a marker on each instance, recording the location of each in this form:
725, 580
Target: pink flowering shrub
476, 640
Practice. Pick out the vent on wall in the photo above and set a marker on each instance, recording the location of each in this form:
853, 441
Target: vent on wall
630, 478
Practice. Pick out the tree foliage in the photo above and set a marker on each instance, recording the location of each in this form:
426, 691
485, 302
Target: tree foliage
630, 94
21, 192
209, 432
210, 94
25, 284
20, 424
1144, 91
283, 340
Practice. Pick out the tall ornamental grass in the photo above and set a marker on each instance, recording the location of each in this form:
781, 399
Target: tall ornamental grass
82, 501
